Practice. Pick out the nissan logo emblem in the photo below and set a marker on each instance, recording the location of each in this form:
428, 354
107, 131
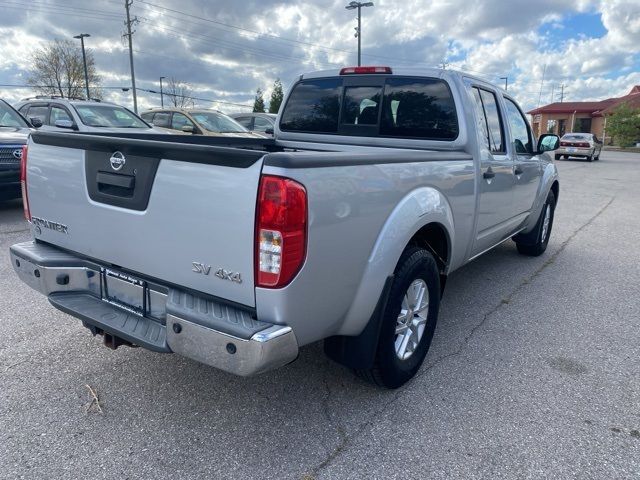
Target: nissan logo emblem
18, 153
117, 161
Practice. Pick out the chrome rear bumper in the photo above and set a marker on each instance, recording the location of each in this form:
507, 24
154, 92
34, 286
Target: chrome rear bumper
164, 320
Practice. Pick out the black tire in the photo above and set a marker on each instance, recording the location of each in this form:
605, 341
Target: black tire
558, 156
533, 244
389, 371
590, 158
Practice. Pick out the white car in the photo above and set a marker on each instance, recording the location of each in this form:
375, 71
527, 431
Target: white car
584, 145
64, 114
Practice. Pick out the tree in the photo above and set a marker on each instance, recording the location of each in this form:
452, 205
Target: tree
277, 95
624, 125
58, 69
258, 104
179, 93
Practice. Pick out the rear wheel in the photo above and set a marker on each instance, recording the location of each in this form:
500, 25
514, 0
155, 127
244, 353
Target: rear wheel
535, 242
409, 320
558, 156
590, 158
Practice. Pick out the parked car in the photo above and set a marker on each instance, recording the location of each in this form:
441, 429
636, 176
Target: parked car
14, 130
585, 145
65, 114
197, 122
378, 185
263, 123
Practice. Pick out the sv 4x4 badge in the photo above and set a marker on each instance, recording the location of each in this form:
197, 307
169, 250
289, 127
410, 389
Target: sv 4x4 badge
221, 273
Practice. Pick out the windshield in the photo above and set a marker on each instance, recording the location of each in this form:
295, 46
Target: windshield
108, 116
217, 122
9, 117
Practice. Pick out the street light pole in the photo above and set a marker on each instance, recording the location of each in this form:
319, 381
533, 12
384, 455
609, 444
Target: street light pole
161, 94
506, 82
353, 6
84, 60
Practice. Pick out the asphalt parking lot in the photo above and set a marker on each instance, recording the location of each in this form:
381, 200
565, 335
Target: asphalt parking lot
534, 372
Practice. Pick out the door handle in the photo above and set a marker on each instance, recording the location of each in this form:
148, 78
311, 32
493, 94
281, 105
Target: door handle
488, 174
518, 170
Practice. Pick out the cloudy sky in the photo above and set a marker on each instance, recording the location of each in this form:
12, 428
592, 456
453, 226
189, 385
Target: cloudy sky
227, 48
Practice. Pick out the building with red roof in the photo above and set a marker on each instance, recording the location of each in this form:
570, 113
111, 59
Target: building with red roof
583, 117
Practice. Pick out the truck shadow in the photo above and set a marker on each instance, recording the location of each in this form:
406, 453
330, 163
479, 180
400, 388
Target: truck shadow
294, 418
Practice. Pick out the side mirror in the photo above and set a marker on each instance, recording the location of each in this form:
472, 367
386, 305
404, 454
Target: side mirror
188, 129
66, 124
269, 131
36, 122
548, 142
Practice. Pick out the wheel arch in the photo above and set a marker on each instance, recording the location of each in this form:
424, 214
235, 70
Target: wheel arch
423, 217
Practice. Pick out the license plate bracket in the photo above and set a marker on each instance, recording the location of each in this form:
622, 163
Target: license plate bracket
125, 291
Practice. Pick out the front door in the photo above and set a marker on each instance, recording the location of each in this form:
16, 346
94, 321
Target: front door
496, 185
527, 166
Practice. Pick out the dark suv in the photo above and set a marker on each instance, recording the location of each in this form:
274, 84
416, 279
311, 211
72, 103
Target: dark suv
14, 131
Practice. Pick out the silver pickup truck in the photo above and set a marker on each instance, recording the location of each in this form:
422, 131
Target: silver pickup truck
236, 252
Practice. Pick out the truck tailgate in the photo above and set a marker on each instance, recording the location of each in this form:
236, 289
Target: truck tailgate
177, 213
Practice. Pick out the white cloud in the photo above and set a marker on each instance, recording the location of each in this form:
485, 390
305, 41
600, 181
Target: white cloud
493, 38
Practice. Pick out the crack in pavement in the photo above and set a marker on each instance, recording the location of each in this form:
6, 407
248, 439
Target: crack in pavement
345, 439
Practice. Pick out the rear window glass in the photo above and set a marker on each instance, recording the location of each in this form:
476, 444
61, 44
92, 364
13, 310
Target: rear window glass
419, 108
576, 137
361, 105
313, 106
406, 107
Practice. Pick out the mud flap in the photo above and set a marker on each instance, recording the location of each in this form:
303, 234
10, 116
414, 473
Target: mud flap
359, 352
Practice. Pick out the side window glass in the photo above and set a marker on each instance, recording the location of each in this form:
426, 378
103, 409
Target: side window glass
481, 116
494, 122
58, 113
261, 124
179, 120
521, 135
147, 117
361, 105
162, 119
244, 121
39, 112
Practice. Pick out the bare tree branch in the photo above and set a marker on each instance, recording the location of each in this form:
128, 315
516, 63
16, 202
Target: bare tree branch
58, 69
179, 93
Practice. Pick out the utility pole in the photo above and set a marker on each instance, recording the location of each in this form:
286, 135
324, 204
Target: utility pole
561, 93
129, 34
161, 94
553, 90
358, 35
506, 83
84, 60
544, 71
444, 64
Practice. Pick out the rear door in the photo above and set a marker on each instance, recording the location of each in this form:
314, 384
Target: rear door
169, 211
526, 165
495, 209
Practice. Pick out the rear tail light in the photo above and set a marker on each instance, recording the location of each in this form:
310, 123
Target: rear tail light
585, 145
564, 144
281, 231
361, 70
23, 183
